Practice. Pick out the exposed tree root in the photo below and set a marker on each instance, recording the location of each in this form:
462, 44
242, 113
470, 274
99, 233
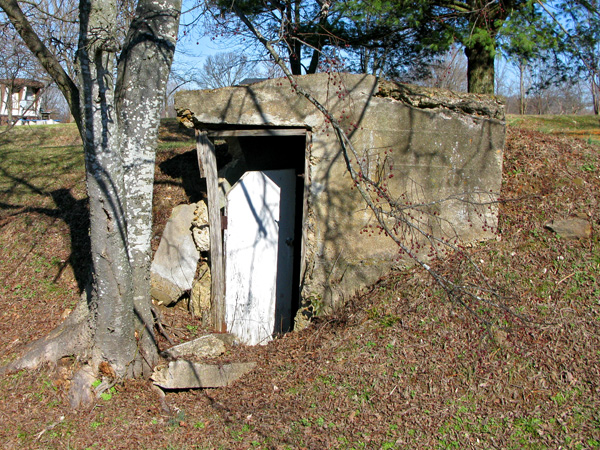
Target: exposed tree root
81, 394
71, 337
74, 337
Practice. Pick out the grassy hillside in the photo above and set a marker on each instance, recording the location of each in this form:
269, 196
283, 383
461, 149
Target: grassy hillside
400, 367
582, 127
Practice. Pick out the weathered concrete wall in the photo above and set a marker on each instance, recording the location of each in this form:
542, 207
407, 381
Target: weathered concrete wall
443, 146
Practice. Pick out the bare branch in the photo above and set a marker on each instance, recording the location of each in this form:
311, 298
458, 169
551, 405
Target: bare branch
45, 57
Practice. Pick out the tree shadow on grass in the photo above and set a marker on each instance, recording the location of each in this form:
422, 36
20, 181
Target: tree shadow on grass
76, 215
184, 168
184, 171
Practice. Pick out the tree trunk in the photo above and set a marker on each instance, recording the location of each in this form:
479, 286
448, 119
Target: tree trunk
318, 42
595, 87
522, 68
9, 104
143, 69
480, 69
48, 61
111, 303
294, 47
119, 124
314, 62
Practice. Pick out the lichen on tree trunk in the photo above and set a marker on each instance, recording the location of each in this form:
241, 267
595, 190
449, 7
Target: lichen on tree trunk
111, 299
123, 117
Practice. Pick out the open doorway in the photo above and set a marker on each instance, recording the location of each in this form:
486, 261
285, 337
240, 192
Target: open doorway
263, 238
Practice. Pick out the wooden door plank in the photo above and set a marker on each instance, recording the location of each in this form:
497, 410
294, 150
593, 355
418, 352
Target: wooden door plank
207, 161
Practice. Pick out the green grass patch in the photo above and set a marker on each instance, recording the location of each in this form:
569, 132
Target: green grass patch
584, 127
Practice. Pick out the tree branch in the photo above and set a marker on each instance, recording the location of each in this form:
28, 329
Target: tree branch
48, 60
36, 6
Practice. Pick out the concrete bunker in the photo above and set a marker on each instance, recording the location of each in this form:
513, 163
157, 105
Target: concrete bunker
442, 149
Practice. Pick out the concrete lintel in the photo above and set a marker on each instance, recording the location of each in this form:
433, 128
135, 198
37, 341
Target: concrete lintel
257, 132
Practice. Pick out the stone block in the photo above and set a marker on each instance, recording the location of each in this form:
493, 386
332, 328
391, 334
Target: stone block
203, 347
183, 374
200, 296
175, 261
200, 231
573, 228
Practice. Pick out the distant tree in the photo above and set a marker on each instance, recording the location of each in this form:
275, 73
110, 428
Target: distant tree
546, 95
504, 77
579, 20
182, 76
534, 88
55, 22
448, 71
483, 27
563, 38
389, 37
530, 40
225, 69
383, 39
53, 102
300, 29
319, 35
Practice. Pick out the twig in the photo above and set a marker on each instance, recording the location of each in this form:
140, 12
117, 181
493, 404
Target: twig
565, 278
159, 325
48, 428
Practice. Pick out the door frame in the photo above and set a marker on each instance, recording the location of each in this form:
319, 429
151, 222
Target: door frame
207, 165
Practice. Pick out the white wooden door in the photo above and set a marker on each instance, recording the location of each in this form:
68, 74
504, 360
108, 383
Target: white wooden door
259, 244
